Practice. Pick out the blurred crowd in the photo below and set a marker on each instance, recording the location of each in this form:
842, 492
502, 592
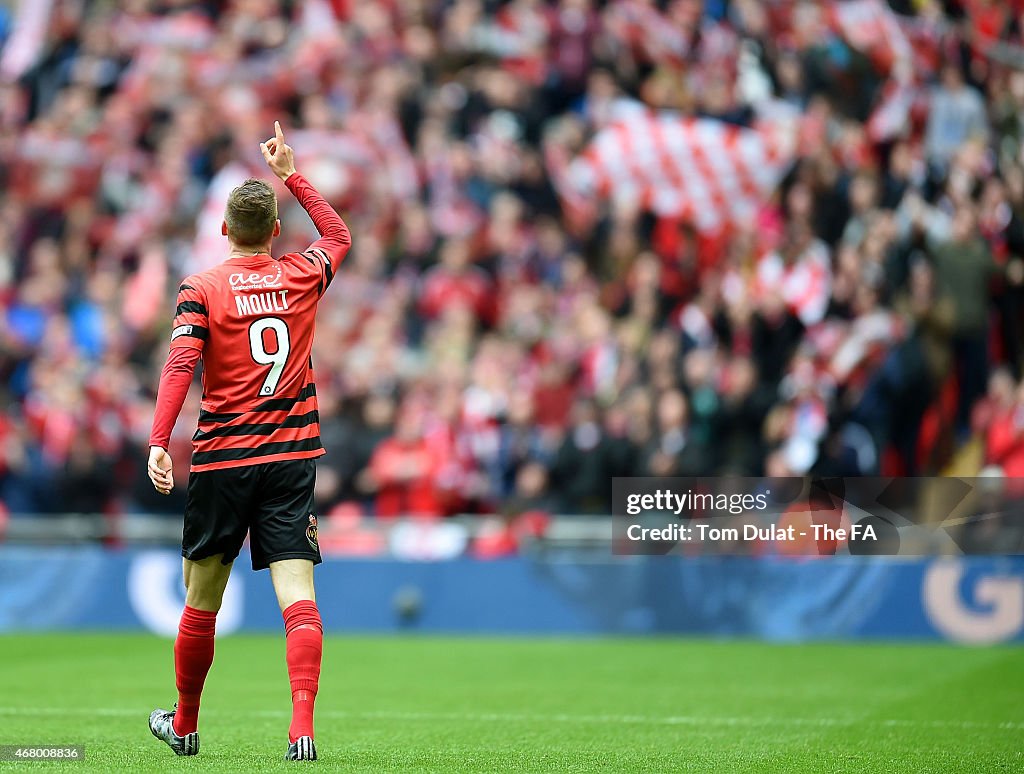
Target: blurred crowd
483, 349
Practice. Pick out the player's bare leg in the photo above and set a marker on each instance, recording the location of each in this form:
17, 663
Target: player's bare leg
205, 581
293, 581
304, 633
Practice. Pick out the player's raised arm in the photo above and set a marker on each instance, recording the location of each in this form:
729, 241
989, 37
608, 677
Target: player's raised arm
335, 239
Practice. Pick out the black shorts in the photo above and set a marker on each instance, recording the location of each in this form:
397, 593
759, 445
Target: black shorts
273, 502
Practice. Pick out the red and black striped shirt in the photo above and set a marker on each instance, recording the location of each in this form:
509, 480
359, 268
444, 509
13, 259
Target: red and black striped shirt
253, 320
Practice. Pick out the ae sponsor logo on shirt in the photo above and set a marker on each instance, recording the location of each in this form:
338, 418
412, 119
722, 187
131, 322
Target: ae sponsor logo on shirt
255, 281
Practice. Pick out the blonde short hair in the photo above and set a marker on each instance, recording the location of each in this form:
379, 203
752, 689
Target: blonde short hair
251, 212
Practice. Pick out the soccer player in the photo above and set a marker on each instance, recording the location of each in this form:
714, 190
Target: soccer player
251, 321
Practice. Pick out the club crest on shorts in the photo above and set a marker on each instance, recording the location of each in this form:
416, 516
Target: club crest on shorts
311, 532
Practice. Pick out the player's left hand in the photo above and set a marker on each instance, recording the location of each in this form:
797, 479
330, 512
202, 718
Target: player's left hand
160, 472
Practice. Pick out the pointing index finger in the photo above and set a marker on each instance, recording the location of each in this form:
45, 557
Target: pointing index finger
278, 132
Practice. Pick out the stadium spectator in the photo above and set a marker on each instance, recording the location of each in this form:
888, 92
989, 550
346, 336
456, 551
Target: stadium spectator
1004, 441
956, 114
404, 469
964, 271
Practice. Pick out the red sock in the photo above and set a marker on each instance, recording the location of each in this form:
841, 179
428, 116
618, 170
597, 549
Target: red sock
193, 655
304, 644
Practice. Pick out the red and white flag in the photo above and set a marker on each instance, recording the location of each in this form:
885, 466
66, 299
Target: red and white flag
27, 40
709, 172
896, 49
870, 26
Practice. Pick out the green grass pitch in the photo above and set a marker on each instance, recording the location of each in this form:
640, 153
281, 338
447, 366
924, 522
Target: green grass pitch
525, 705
